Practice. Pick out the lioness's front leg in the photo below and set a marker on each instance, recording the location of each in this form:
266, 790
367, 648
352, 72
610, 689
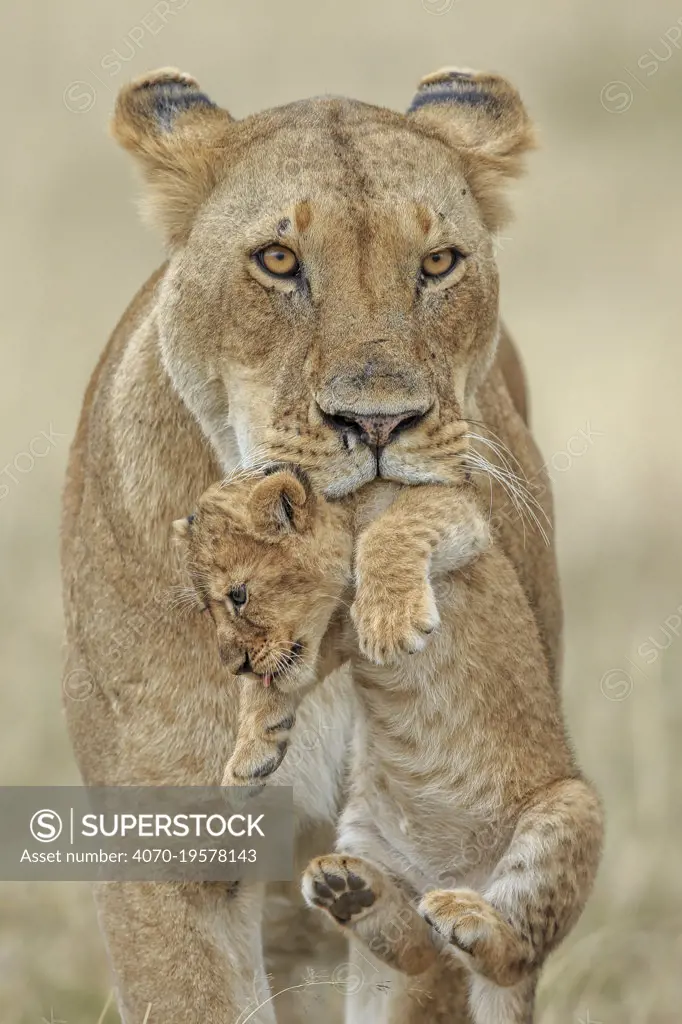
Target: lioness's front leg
427, 531
208, 937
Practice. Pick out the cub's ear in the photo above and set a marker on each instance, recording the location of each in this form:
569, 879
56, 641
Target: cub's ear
176, 135
182, 528
282, 503
484, 118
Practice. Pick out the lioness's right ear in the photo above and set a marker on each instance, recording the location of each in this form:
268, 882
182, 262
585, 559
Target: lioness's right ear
483, 117
175, 132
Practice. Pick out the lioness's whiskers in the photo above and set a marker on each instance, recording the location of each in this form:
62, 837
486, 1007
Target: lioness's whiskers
482, 467
182, 597
520, 497
497, 474
509, 453
493, 447
520, 480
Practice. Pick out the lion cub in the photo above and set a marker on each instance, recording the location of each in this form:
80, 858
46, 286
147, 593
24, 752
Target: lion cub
467, 821
269, 561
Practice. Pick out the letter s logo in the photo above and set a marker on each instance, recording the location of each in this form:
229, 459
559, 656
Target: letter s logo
46, 826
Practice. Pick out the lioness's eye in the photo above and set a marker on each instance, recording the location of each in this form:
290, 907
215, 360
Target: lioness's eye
239, 595
278, 260
440, 263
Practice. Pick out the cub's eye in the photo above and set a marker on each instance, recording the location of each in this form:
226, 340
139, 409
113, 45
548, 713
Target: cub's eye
278, 260
239, 595
441, 262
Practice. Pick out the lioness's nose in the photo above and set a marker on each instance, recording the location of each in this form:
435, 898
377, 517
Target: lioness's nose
375, 429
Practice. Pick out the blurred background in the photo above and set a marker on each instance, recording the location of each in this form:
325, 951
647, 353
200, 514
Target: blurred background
590, 289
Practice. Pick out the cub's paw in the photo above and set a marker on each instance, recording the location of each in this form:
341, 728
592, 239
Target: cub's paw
391, 622
482, 937
461, 916
257, 757
252, 766
346, 887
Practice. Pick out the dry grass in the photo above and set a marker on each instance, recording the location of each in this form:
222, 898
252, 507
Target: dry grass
590, 288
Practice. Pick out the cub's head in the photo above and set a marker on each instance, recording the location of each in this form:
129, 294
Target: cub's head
269, 560
331, 297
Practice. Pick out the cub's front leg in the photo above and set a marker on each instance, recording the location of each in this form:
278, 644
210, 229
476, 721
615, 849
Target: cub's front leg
428, 531
267, 716
266, 719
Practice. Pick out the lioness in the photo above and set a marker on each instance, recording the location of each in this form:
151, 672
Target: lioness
269, 560
330, 299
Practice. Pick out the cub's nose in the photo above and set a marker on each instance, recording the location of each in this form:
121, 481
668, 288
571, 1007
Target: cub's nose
375, 429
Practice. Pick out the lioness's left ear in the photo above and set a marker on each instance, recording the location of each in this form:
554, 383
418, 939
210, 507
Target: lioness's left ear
484, 118
177, 136
282, 503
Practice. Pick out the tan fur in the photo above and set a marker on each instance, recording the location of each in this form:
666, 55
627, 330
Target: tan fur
215, 364
462, 747
493, 138
181, 166
463, 786
292, 552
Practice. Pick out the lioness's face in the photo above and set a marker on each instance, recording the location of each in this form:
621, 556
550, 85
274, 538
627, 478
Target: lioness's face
333, 299
269, 561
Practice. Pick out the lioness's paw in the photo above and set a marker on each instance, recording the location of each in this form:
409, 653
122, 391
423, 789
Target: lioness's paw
391, 624
346, 887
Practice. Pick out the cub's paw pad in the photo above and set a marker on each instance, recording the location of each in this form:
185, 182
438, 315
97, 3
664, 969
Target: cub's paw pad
461, 916
390, 625
340, 886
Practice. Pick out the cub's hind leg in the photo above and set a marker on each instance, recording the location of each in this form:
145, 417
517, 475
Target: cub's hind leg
532, 900
503, 980
366, 902
377, 994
